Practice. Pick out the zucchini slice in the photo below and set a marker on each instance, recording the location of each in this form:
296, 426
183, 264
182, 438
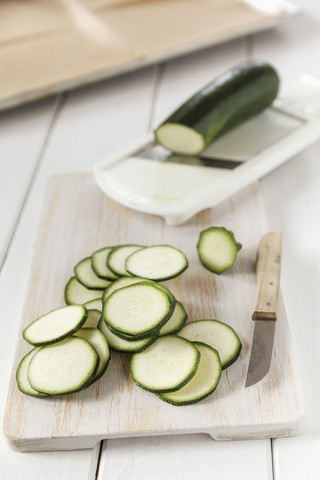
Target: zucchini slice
99, 263
159, 262
166, 366
92, 319
203, 383
55, 325
217, 249
233, 97
22, 375
133, 338
117, 258
77, 294
64, 367
120, 283
165, 290
216, 334
96, 338
137, 310
95, 304
86, 275
177, 320
121, 345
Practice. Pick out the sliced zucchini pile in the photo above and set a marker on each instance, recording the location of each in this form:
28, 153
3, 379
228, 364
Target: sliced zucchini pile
70, 355
114, 301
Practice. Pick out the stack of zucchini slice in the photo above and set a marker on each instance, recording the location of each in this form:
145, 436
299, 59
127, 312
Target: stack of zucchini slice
67, 356
115, 300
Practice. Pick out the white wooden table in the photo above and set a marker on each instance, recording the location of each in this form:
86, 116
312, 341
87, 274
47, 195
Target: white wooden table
68, 133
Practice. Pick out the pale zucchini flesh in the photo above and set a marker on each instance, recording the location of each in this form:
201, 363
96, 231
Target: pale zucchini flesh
120, 283
121, 345
95, 304
166, 290
64, 367
136, 337
55, 325
99, 342
99, 264
176, 322
77, 294
22, 375
137, 309
166, 366
180, 139
86, 275
117, 258
216, 334
92, 319
203, 383
217, 249
159, 262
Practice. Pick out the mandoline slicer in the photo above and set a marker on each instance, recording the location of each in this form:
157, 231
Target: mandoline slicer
146, 177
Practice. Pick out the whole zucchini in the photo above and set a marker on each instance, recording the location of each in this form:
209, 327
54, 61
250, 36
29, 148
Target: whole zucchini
233, 97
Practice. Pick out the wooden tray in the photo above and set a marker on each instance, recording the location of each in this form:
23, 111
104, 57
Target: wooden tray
79, 219
49, 47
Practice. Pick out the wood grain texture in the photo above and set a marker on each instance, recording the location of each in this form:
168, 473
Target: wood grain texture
79, 219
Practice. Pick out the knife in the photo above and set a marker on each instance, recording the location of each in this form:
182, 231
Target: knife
265, 314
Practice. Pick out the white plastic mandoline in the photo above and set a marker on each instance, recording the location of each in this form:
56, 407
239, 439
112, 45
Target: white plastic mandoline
141, 177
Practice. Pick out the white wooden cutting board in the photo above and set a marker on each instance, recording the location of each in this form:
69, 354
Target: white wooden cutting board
78, 219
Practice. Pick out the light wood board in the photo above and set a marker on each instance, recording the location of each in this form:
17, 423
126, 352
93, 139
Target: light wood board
78, 219
53, 46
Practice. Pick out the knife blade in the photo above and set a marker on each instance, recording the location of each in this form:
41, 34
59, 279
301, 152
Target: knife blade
265, 314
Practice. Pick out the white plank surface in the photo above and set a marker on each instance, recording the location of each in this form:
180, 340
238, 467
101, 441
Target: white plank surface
22, 135
98, 120
184, 457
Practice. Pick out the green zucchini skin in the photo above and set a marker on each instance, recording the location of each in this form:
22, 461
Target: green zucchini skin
236, 95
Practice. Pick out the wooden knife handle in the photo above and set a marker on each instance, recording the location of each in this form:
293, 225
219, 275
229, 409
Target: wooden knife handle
268, 276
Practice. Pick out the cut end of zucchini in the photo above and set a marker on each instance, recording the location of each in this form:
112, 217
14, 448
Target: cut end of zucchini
180, 139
